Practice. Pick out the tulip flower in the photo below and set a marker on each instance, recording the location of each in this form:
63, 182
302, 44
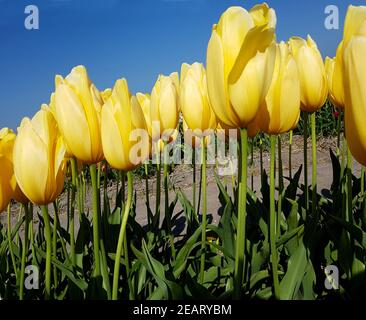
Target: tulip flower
122, 123
39, 168
237, 76
336, 92
39, 158
164, 108
313, 79
314, 92
239, 72
77, 107
355, 89
121, 116
194, 100
281, 111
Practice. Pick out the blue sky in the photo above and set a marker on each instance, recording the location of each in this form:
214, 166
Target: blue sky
119, 38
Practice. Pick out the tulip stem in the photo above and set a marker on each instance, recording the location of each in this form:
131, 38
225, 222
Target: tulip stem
96, 214
24, 251
290, 154
349, 186
158, 186
261, 158
314, 167
204, 211
241, 229
306, 186
10, 243
147, 193
272, 219
121, 237
46, 221
363, 172
194, 179
74, 183
339, 124
167, 212
54, 242
280, 185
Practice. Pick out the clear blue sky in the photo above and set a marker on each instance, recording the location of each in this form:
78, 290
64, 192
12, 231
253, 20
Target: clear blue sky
119, 38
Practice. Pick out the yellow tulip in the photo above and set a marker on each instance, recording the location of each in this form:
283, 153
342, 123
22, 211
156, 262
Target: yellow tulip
39, 158
144, 101
354, 72
336, 95
164, 108
77, 107
194, 101
313, 79
281, 111
239, 65
355, 24
122, 123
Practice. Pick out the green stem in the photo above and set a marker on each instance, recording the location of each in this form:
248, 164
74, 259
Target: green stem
194, 179
74, 182
241, 229
117, 261
306, 185
314, 167
158, 185
167, 212
252, 165
54, 242
272, 219
290, 154
24, 252
47, 226
147, 194
339, 123
349, 186
96, 218
280, 185
261, 158
10, 242
204, 211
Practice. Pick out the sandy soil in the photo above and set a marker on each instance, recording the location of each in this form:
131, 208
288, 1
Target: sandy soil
181, 179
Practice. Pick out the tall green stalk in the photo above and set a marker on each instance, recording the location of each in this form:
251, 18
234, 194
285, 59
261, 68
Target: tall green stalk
54, 241
290, 154
280, 184
25, 248
252, 165
10, 244
314, 167
241, 230
158, 185
194, 187
272, 219
306, 185
147, 194
74, 183
121, 237
96, 219
204, 211
47, 226
167, 212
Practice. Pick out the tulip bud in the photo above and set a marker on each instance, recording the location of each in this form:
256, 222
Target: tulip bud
281, 111
336, 96
78, 105
164, 108
196, 108
39, 158
313, 79
239, 66
122, 125
355, 95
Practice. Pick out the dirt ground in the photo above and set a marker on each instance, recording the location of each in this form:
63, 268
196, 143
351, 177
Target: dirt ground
181, 178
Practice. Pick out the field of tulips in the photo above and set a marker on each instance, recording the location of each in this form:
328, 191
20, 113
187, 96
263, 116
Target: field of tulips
286, 240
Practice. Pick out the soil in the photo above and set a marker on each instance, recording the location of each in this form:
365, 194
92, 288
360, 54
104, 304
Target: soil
181, 179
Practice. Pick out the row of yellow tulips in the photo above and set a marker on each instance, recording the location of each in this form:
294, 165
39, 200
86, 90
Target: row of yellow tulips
252, 84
